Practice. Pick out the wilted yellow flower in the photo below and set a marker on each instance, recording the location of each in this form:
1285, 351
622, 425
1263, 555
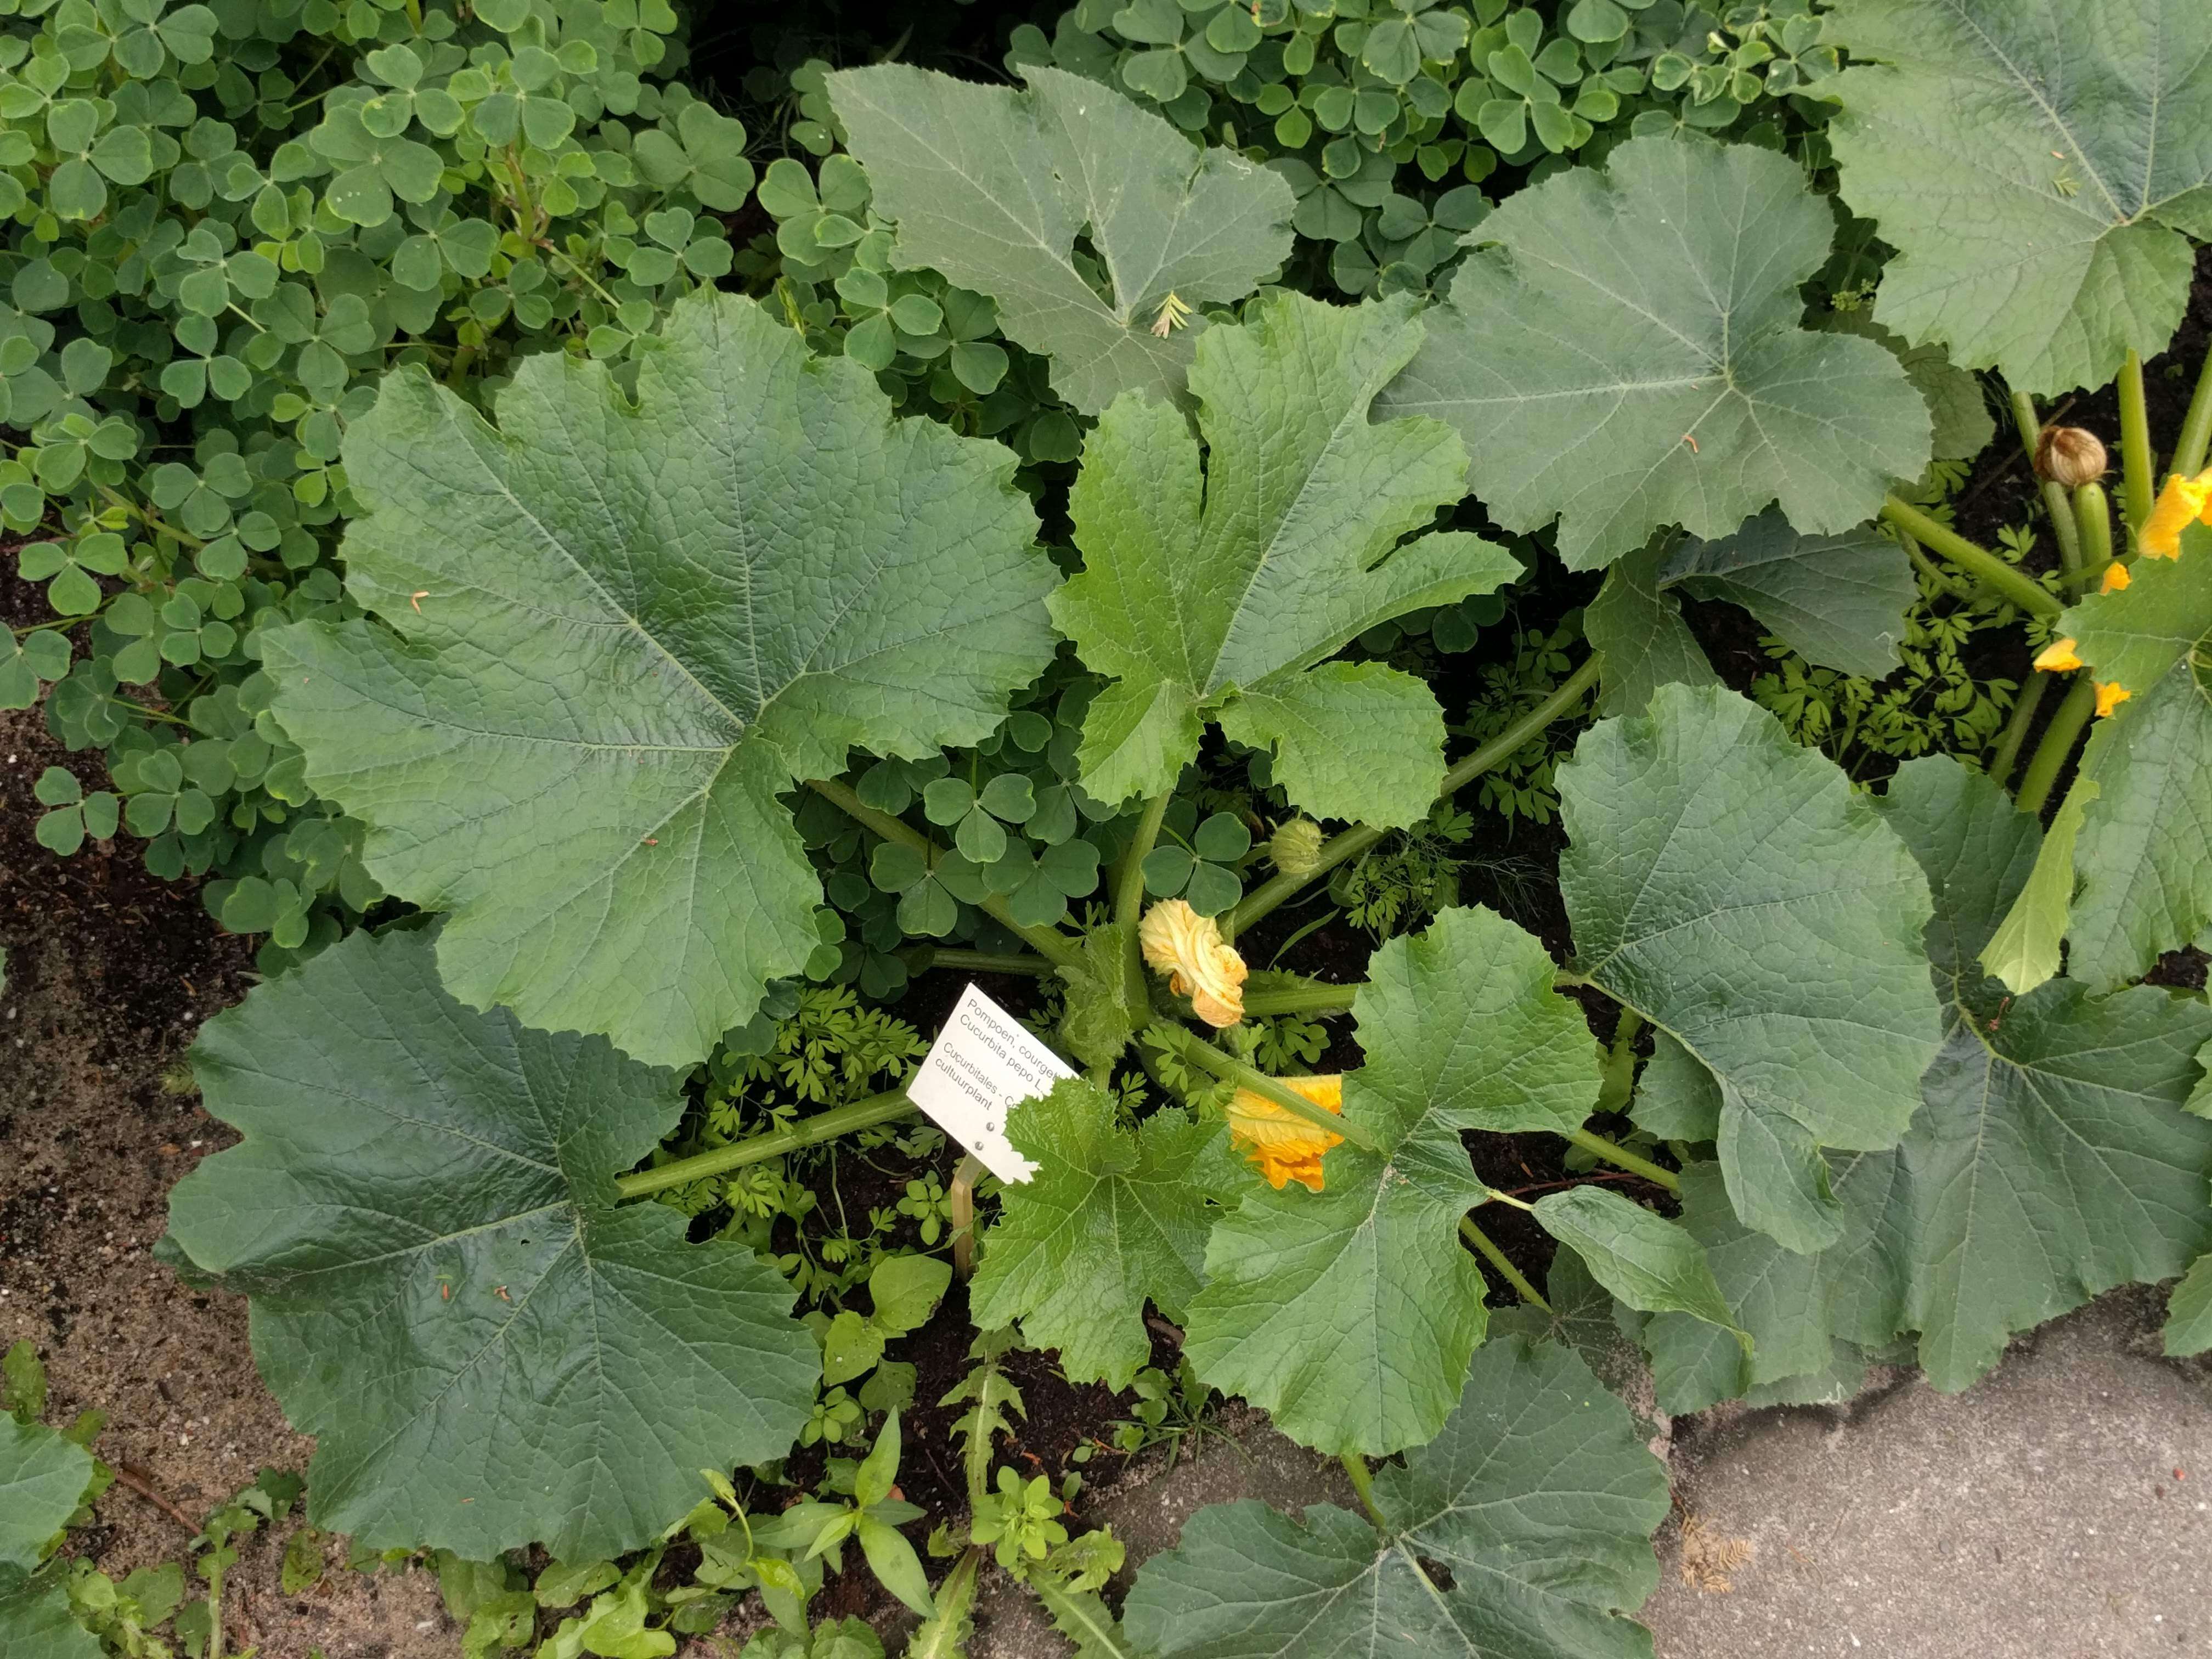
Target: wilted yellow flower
2058, 656
1188, 949
2116, 578
1282, 1147
2110, 694
2180, 501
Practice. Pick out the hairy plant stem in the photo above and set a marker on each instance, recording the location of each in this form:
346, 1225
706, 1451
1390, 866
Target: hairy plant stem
1978, 562
2190, 448
886, 1108
2049, 757
2138, 469
1617, 1078
1496, 1257
1048, 941
2015, 731
1279, 889
1200, 1053
1598, 1147
2093, 517
1129, 874
1957, 586
2054, 493
1301, 1000
1363, 1482
989, 962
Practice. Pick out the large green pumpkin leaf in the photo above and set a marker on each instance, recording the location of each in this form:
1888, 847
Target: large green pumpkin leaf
1626, 351
1538, 1500
1733, 889
490, 1352
1349, 1314
36, 1623
1110, 1217
2143, 852
992, 186
2038, 165
1839, 601
611, 634
42, 1478
2053, 1156
1214, 598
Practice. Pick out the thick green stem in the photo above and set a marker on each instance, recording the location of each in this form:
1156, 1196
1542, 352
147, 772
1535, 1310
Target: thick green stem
1957, 586
1356, 1471
886, 1108
2054, 493
2093, 517
1978, 562
2015, 731
989, 962
1046, 941
1229, 1069
1301, 1000
1598, 1147
1279, 889
2139, 481
1496, 1257
1617, 1077
2050, 757
1129, 876
2190, 448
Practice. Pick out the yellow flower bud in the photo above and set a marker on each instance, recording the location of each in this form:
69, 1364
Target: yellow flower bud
1188, 949
2116, 578
1295, 848
2110, 694
1282, 1147
2071, 456
2057, 656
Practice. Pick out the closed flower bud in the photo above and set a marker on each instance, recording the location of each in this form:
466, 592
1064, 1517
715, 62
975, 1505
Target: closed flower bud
2071, 456
1295, 848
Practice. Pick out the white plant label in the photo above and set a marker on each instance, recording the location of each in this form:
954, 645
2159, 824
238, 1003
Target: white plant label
983, 1062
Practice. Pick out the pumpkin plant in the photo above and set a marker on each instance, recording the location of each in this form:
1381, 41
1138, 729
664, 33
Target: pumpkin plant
618, 643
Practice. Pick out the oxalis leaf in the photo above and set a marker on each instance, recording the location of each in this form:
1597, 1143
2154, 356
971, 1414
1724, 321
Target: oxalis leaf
1349, 1314
1214, 598
1624, 350
2038, 165
1538, 1500
991, 185
2143, 803
1111, 1216
2052, 1158
611, 634
1731, 888
489, 1351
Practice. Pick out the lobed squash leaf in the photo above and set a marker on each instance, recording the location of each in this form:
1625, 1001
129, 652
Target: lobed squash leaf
992, 186
1111, 1218
1624, 350
1537, 1500
2038, 165
1349, 1314
1733, 889
1213, 597
2053, 1156
490, 1352
611, 634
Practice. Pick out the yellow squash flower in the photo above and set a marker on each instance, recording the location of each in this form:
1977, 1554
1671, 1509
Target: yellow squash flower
2182, 501
2110, 694
1282, 1147
1188, 949
2057, 656
2116, 578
